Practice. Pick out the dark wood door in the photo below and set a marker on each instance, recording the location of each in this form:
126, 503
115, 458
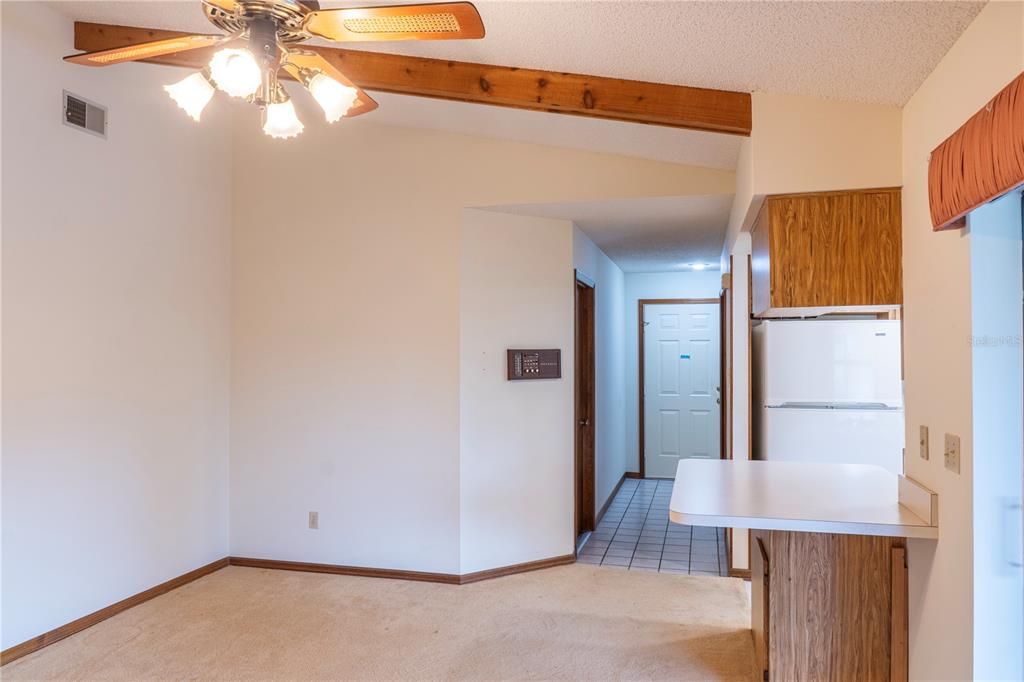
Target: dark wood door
585, 404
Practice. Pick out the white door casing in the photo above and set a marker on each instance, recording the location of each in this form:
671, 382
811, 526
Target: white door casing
682, 391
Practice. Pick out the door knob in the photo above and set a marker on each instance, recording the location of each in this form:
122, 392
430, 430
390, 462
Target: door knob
584, 422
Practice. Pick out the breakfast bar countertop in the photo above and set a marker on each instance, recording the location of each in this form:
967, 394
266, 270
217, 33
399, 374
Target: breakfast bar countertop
851, 499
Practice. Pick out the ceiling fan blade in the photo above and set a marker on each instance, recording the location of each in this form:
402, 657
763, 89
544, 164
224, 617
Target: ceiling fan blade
139, 51
441, 21
315, 62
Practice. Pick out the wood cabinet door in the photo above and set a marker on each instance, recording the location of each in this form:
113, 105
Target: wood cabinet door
881, 262
830, 612
828, 249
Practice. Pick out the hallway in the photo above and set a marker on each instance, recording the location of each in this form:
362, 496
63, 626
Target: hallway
635, 534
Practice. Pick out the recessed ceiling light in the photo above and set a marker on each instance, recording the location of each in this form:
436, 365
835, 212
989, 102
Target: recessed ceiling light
697, 266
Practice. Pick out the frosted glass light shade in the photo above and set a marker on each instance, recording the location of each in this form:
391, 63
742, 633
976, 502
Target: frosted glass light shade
280, 121
333, 97
235, 72
191, 94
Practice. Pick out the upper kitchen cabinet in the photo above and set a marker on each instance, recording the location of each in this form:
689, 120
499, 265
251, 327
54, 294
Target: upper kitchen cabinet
827, 252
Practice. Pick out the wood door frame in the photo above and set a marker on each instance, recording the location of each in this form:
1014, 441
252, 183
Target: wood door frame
640, 354
725, 355
585, 403
728, 332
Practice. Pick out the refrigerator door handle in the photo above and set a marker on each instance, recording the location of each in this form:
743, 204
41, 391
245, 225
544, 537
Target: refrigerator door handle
831, 406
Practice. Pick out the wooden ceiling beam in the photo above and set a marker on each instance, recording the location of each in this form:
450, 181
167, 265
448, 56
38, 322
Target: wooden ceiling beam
677, 106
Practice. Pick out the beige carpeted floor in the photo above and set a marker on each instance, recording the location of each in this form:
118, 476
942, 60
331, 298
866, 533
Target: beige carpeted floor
575, 622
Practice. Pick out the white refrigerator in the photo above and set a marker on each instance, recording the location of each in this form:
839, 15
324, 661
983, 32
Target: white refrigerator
828, 391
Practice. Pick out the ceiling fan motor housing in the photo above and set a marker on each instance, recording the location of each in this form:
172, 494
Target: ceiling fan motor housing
263, 46
285, 15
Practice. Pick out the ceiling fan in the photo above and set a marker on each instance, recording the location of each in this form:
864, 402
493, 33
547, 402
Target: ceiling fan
261, 39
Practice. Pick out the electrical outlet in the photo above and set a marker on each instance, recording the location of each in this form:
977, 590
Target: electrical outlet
314, 520
924, 442
952, 453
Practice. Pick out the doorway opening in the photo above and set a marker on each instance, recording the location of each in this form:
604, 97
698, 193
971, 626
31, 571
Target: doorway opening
680, 379
585, 408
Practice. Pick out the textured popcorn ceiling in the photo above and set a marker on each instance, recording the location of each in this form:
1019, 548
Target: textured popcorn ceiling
647, 235
865, 51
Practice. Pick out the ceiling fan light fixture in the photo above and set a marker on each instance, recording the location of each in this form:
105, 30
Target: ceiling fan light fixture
280, 120
236, 72
192, 94
257, 39
333, 97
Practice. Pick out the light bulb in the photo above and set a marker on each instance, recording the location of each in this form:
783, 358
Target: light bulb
191, 94
333, 97
236, 72
280, 121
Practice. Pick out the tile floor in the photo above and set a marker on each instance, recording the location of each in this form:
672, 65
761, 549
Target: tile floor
635, 534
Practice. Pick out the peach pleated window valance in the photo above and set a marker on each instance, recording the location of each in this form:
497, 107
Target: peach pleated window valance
979, 162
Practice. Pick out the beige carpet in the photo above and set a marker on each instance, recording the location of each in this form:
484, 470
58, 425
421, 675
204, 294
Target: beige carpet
575, 622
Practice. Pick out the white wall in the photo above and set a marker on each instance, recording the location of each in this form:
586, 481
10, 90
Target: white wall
807, 144
937, 328
517, 439
997, 384
706, 284
115, 346
741, 436
346, 329
609, 322
744, 204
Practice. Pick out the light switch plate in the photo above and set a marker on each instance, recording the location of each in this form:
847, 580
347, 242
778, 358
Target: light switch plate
314, 520
952, 453
924, 442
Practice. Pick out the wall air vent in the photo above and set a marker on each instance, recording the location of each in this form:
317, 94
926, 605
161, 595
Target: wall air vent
85, 115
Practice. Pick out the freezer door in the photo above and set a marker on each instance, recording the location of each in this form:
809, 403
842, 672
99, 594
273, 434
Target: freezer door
830, 361
827, 435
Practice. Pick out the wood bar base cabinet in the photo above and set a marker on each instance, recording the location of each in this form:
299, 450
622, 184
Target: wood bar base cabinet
829, 607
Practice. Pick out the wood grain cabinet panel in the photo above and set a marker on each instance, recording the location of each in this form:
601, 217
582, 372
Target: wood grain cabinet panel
836, 606
827, 250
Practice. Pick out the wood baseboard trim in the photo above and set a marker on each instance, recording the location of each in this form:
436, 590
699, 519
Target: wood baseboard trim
743, 573
336, 569
47, 638
517, 568
633, 474
396, 574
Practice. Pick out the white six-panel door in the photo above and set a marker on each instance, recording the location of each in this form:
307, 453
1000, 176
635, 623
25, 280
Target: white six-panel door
682, 395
